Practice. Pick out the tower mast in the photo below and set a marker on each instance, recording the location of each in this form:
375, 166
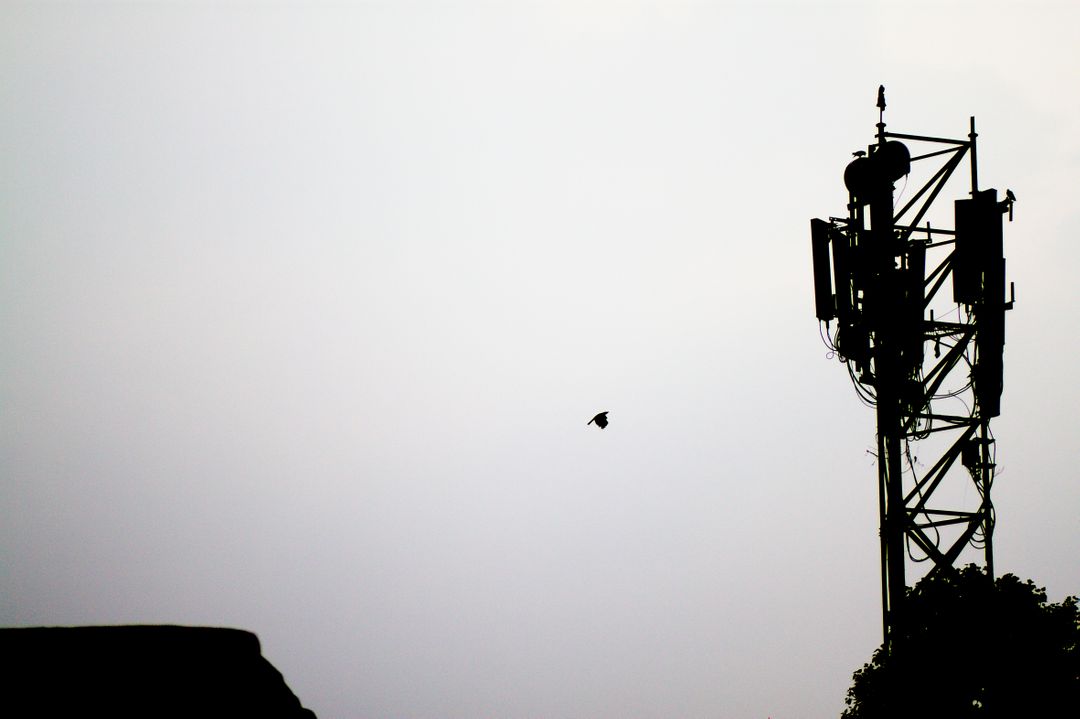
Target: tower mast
884, 306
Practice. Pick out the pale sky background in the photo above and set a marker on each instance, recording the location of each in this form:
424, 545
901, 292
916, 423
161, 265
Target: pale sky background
304, 308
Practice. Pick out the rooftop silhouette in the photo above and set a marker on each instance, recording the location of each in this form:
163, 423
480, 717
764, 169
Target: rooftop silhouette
142, 671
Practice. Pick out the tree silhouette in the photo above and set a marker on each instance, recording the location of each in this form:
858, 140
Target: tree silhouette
971, 646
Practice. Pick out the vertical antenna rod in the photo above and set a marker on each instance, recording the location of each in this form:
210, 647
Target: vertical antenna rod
881, 114
974, 159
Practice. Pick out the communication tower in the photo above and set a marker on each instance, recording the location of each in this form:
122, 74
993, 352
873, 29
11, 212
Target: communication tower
930, 363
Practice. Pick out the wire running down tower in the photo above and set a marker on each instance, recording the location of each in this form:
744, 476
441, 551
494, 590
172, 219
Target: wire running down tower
929, 363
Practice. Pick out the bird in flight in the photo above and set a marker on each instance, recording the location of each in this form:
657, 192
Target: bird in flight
600, 419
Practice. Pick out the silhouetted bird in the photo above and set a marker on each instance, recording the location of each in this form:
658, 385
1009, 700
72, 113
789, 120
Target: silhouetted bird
881, 97
600, 419
1006, 205
1008, 202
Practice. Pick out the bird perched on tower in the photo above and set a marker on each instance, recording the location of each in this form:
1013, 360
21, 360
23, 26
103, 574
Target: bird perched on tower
1008, 202
600, 420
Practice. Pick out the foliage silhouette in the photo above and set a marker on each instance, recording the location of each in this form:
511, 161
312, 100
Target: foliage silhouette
974, 647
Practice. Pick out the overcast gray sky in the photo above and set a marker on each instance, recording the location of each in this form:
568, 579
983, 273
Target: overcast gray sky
304, 308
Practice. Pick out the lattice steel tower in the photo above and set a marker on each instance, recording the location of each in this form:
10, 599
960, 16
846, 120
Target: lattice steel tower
930, 364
